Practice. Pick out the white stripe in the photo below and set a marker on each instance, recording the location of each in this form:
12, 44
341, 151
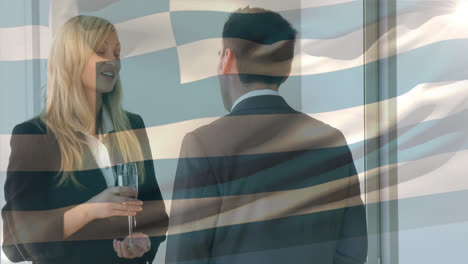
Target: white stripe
430, 176
437, 174
146, 34
425, 102
431, 101
316, 56
60, 12
137, 36
16, 44
153, 33
230, 6
198, 60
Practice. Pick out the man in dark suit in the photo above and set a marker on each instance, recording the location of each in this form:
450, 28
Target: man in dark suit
266, 183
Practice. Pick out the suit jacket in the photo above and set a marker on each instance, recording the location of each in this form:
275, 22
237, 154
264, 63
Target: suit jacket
266, 184
35, 204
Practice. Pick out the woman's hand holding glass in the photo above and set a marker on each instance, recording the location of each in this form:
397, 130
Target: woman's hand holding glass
127, 175
114, 201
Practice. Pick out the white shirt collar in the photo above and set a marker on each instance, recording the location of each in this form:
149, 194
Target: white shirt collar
99, 150
107, 125
252, 94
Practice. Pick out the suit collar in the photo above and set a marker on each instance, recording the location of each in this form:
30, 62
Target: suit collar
107, 124
264, 104
91, 178
252, 94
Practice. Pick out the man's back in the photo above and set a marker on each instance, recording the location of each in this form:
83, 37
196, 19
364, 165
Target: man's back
275, 185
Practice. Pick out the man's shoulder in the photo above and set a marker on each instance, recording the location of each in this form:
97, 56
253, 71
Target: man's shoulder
323, 126
329, 135
296, 125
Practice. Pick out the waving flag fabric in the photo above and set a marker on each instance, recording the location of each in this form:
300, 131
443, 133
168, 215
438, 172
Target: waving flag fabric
169, 55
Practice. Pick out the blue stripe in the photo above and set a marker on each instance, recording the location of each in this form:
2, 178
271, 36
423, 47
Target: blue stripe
415, 142
322, 22
15, 14
438, 62
317, 93
152, 84
17, 90
423, 140
18, 13
124, 10
312, 23
425, 221
430, 210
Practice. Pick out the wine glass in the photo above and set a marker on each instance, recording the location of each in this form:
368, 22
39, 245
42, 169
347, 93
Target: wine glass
127, 175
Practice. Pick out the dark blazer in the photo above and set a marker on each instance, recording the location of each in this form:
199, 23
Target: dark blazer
277, 186
33, 214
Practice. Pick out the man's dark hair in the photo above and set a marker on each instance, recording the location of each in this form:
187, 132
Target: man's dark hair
263, 43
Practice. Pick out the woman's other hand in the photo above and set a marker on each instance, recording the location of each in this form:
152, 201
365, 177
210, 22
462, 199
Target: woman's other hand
126, 249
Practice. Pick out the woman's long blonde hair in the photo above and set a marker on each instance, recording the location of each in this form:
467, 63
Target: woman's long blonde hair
67, 109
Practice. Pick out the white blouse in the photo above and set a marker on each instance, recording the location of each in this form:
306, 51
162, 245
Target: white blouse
100, 152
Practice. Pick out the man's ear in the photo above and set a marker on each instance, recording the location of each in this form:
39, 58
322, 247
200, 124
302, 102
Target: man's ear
229, 62
287, 75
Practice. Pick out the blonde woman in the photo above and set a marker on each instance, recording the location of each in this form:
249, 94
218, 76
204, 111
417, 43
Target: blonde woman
62, 203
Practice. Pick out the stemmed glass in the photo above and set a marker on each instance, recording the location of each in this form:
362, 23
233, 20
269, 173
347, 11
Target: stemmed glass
127, 175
